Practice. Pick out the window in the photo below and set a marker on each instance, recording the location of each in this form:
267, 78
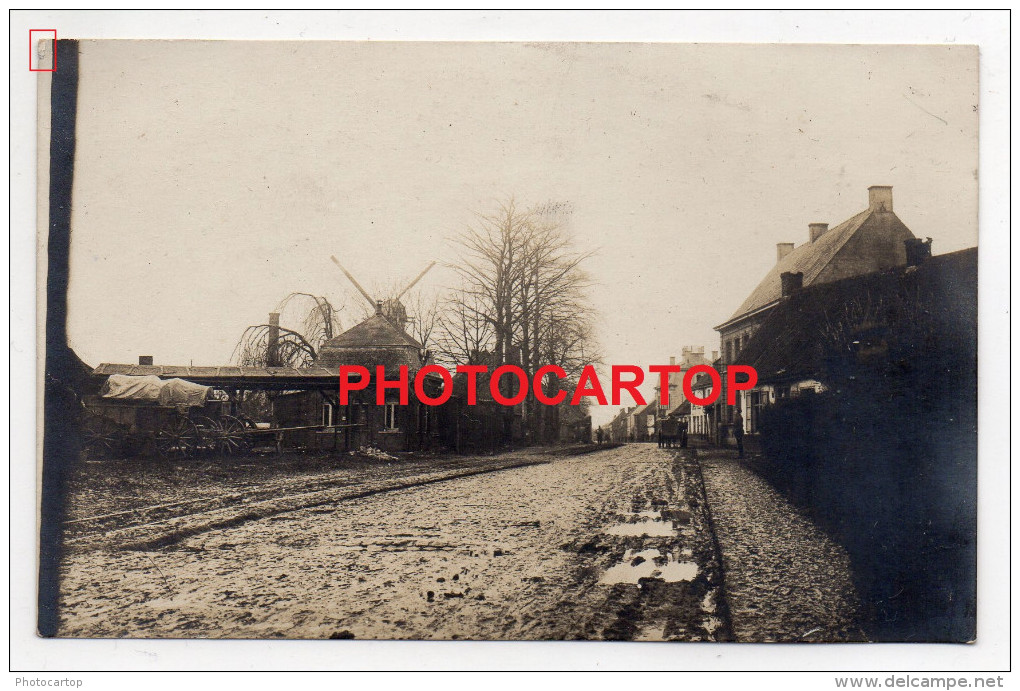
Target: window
757, 401
390, 416
327, 414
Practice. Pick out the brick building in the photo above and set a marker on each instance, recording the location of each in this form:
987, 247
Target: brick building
391, 426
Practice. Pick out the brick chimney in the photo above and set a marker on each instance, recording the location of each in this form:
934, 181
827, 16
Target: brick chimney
145, 360
918, 250
783, 249
672, 359
792, 282
817, 230
880, 198
273, 336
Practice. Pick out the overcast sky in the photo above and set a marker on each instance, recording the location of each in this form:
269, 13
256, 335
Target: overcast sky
214, 178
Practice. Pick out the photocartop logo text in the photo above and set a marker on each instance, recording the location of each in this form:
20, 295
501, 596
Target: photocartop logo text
358, 378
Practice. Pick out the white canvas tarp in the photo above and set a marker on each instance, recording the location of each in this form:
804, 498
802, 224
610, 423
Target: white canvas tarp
132, 388
169, 392
182, 393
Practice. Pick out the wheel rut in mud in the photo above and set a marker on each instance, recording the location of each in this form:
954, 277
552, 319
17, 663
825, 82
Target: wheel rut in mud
237, 508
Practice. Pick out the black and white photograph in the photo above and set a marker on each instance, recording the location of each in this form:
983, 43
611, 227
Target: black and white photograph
508, 341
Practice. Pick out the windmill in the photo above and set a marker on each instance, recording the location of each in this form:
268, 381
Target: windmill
393, 309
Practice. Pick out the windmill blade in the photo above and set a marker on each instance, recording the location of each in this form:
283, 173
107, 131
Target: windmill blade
352, 280
412, 283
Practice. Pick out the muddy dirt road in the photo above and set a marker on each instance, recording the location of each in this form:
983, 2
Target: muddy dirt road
605, 545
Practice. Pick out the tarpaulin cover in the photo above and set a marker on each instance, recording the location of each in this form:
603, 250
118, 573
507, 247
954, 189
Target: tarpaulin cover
132, 388
170, 392
182, 393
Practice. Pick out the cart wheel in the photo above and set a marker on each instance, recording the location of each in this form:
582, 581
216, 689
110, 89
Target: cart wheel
101, 437
178, 438
228, 435
208, 433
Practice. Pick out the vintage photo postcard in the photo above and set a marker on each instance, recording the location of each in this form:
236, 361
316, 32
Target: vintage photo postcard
508, 341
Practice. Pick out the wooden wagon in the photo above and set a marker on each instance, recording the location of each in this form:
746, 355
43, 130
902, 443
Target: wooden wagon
170, 418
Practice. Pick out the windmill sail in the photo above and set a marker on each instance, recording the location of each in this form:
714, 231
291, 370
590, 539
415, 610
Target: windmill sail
357, 285
417, 278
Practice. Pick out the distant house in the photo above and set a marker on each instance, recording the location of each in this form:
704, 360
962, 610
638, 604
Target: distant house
698, 417
689, 357
644, 419
622, 425
682, 413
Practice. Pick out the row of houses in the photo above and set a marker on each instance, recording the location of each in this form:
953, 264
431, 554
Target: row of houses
822, 310
640, 423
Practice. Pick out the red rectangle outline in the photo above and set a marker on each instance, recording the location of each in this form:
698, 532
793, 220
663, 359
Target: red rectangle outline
31, 50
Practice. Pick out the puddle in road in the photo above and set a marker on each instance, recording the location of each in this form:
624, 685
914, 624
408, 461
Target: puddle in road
711, 625
643, 528
652, 632
649, 563
708, 602
649, 524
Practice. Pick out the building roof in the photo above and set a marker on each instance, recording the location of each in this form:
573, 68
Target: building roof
624, 412
375, 341
681, 410
647, 408
691, 358
701, 381
813, 258
377, 331
269, 378
795, 339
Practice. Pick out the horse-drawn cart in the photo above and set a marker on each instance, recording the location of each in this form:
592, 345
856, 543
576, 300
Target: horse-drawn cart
173, 418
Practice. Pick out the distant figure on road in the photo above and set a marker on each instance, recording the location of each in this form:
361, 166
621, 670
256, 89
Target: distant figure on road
738, 432
669, 432
598, 436
683, 434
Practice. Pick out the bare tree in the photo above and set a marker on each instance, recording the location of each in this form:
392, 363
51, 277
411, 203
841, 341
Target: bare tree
523, 297
423, 315
318, 322
321, 321
463, 332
